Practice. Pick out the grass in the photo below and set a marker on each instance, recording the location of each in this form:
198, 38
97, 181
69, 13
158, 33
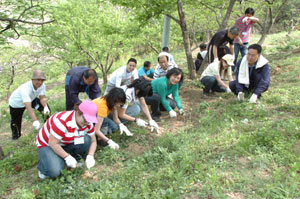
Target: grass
217, 154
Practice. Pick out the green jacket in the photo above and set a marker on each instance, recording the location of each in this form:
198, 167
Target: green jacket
160, 86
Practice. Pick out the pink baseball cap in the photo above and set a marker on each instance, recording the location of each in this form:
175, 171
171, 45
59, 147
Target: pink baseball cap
89, 110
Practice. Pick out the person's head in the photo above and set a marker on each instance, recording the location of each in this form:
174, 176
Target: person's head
86, 113
38, 78
165, 49
143, 88
89, 76
202, 47
254, 51
163, 61
131, 65
115, 98
226, 61
147, 65
249, 12
233, 32
174, 75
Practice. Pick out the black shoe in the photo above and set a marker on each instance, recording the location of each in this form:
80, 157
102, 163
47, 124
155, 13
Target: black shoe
156, 119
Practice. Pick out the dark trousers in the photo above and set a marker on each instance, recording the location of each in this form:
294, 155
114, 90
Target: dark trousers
156, 105
16, 117
210, 83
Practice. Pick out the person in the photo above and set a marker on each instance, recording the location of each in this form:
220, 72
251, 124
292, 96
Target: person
162, 87
107, 104
65, 138
217, 46
29, 96
252, 74
135, 98
123, 75
146, 71
201, 55
244, 23
211, 77
166, 51
80, 79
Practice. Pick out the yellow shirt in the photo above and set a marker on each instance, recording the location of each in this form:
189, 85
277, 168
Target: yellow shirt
102, 109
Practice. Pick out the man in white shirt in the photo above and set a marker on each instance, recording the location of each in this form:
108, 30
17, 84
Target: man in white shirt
25, 97
123, 75
166, 51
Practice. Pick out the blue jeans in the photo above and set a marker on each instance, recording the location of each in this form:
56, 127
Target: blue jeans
50, 164
211, 83
238, 48
109, 126
131, 110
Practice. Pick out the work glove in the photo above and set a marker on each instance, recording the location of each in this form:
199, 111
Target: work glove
153, 125
228, 90
70, 161
123, 128
253, 98
240, 96
141, 122
245, 19
172, 113
181, 111
216, 59
112, 144
89, 161
36, 124
46, 110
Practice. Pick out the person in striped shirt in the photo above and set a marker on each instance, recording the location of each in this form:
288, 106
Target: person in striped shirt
65, 138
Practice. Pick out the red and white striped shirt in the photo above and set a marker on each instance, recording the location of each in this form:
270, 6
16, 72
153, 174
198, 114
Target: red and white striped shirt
62, 126
245, 29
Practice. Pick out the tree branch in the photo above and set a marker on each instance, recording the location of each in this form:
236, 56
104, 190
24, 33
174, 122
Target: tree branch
175, 19
24, 21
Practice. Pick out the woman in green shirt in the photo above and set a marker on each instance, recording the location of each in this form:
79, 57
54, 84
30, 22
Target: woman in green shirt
162, 87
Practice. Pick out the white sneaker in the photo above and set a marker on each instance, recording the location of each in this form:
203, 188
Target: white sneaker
41, 175
240, 96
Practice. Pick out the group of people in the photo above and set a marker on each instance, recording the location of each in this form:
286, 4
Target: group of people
68, 136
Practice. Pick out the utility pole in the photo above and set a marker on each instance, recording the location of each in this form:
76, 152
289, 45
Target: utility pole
166, 32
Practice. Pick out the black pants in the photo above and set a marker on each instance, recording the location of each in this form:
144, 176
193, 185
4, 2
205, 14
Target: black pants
16, 117
156, 105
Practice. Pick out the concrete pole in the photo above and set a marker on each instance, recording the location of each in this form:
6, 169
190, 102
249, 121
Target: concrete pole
166, 32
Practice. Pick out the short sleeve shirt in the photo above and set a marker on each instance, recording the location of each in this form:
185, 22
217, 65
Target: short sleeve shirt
221, 39
245, 29
130, 96
214, 69
102, 108
143, 72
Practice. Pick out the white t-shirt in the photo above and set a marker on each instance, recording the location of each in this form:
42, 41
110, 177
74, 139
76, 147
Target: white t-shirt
121, 77
214, 69
25, 93
203, 54
130, 96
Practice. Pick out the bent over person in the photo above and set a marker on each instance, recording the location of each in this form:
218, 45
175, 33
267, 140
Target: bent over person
26, 97
65, 138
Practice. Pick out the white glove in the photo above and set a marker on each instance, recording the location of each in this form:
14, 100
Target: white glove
89, 161
36, 124
181, 111
172, 113
70, 161
245, 19
216, 59
46, 110
141, 122
112, 144
125, 129
228, 90
253, 98
240, 96
153, 125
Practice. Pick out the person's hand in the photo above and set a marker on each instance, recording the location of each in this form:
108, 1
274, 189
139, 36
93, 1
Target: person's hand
181, 111
46, 110
36, 124
216, 59
112, 144
228, 90
240, 96
153, 125
172, 113
253, 98
89, 161
141, 122
123, 128
70, 161
245, 19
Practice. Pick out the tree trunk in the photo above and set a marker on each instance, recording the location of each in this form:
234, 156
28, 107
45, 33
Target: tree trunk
262, 38
227, 15
186, 41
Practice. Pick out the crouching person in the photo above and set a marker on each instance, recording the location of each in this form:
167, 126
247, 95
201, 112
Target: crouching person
252, 75
65, 138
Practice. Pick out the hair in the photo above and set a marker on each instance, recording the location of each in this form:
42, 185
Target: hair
165, 49
132, 60
114, 96
203, 46
90, 73
255, 47
147, 64
144, 87
249, 11
234, 30
222, 68
175, 71
163, 56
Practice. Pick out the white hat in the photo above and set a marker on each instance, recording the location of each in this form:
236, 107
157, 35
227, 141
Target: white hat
229, 59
